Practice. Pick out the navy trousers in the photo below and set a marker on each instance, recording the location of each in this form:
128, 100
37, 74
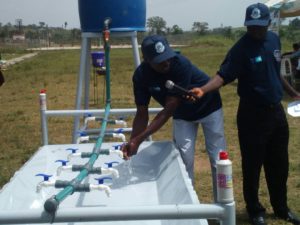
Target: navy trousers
263, 135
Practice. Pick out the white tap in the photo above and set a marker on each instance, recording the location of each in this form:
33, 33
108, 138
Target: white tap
118, 152
121, 122
48, 183
119, 135
101, 187
73, 155
82, 139
62, 168
89, 118
111, 171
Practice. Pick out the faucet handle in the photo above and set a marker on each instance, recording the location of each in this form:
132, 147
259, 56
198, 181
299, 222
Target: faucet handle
45, 176
110, 164
63, 162
101, 179
73, 150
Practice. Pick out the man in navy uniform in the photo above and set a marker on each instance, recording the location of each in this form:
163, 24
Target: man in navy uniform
262, 125
161, 64
1, 78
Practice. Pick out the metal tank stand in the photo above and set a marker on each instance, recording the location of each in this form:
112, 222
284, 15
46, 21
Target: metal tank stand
84, 70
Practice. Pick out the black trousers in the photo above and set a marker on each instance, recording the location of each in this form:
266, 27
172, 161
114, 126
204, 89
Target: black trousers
263, 136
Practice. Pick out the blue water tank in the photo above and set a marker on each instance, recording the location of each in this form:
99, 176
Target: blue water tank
126, 15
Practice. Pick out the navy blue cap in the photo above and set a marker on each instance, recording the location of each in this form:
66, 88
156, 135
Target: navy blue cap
257, 15
156, 49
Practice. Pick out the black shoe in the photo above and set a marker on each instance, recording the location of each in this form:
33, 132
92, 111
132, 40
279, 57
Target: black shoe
257, 220
289, 217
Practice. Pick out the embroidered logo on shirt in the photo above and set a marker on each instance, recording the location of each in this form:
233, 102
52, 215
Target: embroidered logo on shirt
256, 59
159, 47
277, 55
154, 89
255, 13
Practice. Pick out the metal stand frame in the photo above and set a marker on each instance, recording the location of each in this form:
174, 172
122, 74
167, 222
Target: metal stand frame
84, 70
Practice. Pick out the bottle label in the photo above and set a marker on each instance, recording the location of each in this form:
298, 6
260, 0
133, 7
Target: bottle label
224, 181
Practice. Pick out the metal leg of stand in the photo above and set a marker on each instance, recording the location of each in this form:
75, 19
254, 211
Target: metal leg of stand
85, 46
94, 85
87, 78
135, 49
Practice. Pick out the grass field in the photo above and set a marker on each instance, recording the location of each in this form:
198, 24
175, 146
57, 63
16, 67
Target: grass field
56, 71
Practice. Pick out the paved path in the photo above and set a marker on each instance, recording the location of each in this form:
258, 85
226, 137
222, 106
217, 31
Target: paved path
79, 47
29, 55
19, 59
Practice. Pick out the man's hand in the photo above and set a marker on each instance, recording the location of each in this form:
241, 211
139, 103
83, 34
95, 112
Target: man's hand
129, 149
196, 91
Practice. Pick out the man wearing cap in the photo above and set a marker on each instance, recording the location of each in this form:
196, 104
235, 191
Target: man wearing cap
295, 60
262, 125
1, 78
161, 64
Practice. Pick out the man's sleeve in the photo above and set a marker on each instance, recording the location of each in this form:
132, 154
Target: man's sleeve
140, 90
231, 66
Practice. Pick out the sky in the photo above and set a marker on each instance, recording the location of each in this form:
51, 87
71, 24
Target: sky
183, 13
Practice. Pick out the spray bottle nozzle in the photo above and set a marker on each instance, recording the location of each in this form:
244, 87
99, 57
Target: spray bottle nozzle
223, 155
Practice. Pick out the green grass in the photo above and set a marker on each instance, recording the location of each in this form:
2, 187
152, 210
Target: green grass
57, 71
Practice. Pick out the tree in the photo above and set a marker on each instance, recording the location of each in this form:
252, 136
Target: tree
224, 31
156, 25
200, 27
42, 24
239, 33
176, 30
66, 24
7, 30
76, 35
295, 23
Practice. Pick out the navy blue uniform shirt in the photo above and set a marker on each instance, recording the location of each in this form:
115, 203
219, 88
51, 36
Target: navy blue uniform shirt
147, 83
256, 65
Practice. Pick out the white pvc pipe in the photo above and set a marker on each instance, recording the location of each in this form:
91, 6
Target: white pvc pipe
109, 130
97, 112
44, 125
82, 112
89, 214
